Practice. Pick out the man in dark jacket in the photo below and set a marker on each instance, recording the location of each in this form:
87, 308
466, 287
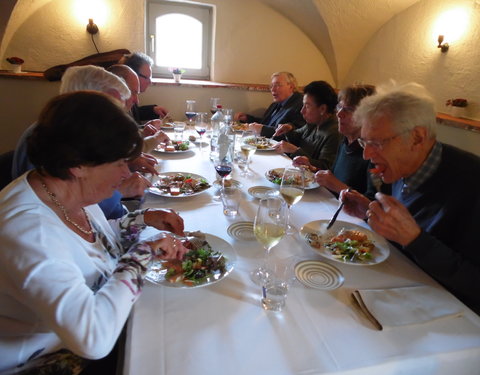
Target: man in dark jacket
142, 65
434, 211
285, 109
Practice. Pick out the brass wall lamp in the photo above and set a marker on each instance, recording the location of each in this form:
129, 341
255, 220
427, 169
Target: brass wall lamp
92, 28
443, 46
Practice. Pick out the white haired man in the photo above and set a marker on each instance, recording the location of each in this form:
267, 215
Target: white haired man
285, 109
434, 211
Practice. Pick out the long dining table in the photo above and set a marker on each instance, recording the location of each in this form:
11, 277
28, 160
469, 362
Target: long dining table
223, 329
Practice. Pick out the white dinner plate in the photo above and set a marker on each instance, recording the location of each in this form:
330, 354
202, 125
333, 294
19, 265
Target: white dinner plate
260, 192
156, 274
318, 275
242, 230
167, 126
310, 182
163, 151
380, 252
260, 146
157, 191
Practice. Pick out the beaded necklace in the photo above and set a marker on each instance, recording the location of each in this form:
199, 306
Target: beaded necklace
54, 199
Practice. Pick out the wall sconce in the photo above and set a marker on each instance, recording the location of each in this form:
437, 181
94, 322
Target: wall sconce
92, 28
443, 46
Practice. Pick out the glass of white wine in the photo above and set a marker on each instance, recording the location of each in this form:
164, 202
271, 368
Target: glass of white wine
292, 188
247, 151
269, 229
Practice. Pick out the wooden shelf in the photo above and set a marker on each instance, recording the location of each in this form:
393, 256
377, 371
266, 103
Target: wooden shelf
442, 118
457, 122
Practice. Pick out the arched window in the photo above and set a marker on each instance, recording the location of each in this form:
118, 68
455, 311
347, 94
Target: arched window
179, 36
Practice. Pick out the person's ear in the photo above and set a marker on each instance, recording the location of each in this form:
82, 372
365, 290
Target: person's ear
78, 172
419, 136
323, 109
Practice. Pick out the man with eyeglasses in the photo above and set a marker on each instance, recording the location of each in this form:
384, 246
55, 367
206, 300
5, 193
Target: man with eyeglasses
434, 211
285, 109
142, 65
152, 135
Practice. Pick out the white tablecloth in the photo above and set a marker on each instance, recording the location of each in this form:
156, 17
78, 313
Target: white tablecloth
222, 328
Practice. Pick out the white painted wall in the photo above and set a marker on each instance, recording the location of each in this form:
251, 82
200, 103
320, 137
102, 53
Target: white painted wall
405, 49
252, 40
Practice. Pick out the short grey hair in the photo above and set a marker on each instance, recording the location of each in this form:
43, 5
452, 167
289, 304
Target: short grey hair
290, 78
407, 106
95, 78
136, 60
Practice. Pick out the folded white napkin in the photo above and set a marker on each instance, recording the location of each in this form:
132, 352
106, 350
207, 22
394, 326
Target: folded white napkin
409, 305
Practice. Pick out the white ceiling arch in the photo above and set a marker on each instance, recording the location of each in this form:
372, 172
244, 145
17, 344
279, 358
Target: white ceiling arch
339, 28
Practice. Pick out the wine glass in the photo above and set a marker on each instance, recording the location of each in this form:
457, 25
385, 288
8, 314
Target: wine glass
201, 126
190, 111
214, 103
269, 228
292, 188
246, 151
223, 167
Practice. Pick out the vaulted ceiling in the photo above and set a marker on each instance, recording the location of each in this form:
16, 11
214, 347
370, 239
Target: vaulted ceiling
339, 28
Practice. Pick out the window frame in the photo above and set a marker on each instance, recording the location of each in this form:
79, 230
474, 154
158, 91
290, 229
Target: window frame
203, 13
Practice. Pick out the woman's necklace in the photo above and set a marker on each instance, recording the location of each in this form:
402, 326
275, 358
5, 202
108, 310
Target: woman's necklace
54, 199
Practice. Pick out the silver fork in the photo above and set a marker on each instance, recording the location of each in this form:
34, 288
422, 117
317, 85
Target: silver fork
377, 181
334, 217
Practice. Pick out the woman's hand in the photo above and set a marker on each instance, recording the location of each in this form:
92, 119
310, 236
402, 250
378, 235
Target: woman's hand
282, 129
302, 161
166, 247
327, 179
164, 219
391, 219
285, 147
356, 204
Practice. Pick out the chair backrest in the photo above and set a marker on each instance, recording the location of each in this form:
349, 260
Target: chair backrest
6, 161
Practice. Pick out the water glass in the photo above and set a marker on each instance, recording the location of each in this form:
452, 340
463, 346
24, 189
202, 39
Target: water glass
178, 128
274, 295
231, 197
275, 289
228, 116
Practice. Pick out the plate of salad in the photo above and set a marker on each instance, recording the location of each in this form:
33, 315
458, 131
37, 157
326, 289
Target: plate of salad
346, 243
209, 261
173, 147
179, 184
261, 143
275, 177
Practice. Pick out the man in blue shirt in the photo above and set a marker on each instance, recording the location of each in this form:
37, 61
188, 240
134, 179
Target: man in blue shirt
434, 211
